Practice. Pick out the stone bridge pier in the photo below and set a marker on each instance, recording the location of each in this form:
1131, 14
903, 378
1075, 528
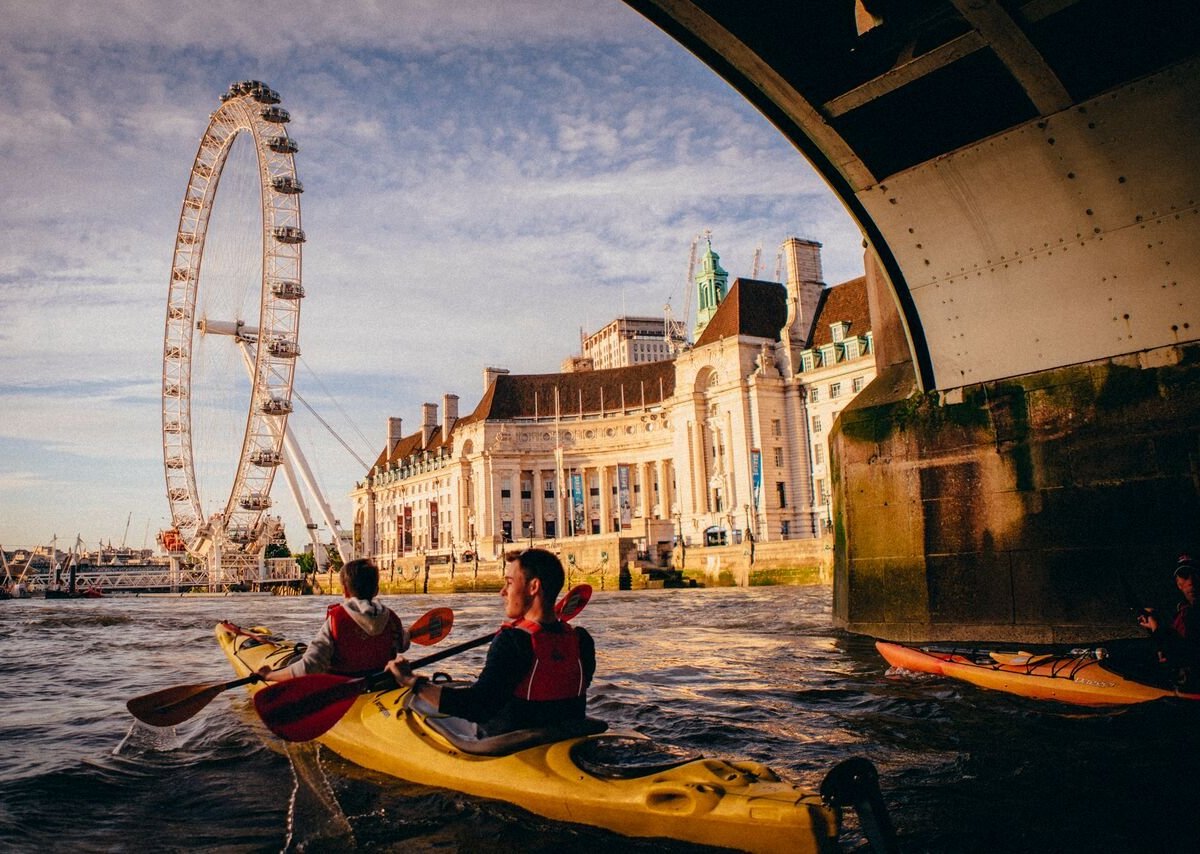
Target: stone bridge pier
1026, 466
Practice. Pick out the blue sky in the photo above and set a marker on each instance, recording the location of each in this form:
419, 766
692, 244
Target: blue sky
482, 180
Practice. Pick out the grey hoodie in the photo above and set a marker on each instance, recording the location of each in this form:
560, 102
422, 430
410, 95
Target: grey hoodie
369, 614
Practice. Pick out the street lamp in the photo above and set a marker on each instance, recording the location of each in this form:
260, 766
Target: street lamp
682, 542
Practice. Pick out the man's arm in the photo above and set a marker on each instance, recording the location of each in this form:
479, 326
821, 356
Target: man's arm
508, 660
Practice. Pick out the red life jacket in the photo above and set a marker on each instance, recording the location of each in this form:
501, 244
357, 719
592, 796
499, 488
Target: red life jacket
356, 652
557, 672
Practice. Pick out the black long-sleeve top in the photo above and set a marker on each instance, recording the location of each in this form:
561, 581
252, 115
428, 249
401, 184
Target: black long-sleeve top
491, 702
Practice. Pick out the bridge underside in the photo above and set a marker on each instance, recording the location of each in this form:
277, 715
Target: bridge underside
1024, 175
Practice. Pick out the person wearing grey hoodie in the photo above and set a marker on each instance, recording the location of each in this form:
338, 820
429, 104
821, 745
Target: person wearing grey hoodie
359, 636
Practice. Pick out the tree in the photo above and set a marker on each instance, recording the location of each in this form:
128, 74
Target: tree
278, 549
306, 562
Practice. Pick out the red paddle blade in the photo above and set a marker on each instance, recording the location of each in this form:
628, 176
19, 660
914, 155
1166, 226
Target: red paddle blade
306, 707
571, 604
432, 626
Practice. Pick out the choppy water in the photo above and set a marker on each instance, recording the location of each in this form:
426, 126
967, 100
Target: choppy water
754, 674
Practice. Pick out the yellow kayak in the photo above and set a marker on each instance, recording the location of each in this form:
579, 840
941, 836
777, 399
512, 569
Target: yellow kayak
1080, 677
571, 777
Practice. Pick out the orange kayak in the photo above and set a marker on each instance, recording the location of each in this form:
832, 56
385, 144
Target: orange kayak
1082, 677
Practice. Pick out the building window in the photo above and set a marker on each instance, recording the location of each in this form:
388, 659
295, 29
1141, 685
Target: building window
814, 394
839, 330
781, 488
807, 362
851, 348
779, 457
822, 494
776, 427
816, 423
819, 454
857, 384
835, 389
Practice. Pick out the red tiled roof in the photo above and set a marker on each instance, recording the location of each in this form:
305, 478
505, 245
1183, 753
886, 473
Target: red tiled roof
752, 307
847, 301
530, 395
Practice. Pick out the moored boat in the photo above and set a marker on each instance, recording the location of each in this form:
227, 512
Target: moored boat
575, 775
1086, 677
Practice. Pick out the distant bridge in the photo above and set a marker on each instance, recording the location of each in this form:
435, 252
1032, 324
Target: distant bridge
176, 577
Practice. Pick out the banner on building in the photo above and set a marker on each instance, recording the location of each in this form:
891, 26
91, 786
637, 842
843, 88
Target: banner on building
756, 472
406, 540
433, 525
623, 496
577, 503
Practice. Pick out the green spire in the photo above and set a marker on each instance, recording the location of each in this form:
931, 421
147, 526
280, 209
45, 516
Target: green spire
711, 282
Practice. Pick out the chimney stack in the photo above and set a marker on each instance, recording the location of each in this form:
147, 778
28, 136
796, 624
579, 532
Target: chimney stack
428, 422
804, 288
395, 434
449, 415
489, 376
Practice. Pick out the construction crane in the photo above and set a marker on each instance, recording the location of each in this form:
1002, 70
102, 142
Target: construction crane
125, 536
756, 265
779, 264
669, 321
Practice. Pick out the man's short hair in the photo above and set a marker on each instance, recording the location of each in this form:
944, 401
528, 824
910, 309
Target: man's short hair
544, 566
1186, 568
361, 578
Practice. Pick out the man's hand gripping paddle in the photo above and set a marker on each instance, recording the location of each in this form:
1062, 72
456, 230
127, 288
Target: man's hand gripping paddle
172, 706
306, 707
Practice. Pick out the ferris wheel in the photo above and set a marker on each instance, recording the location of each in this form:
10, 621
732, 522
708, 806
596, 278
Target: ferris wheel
268, 344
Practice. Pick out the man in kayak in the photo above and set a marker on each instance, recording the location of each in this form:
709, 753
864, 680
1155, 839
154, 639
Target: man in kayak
1178, 642
538, 668
360, 634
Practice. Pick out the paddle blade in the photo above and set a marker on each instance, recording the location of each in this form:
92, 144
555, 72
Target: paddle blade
572, 603
173, 706
432, 626
307, 707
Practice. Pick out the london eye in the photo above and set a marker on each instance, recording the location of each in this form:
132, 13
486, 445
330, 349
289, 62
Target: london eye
230, 532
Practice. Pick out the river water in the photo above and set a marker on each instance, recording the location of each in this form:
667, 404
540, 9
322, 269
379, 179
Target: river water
740, 673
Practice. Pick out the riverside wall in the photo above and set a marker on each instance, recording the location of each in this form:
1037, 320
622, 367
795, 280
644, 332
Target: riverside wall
602, 562
1041, 508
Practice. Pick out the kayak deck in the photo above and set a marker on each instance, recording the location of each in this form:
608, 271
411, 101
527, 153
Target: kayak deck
1079, 677
716, 802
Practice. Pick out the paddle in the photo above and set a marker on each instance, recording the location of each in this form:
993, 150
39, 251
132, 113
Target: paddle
172, 706
305, 708
855, 783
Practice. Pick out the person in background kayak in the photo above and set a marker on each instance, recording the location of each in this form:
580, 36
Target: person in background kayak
360, 634
538, 668
1178, 641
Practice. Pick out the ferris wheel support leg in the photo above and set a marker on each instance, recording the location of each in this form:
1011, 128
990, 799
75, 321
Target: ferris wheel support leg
290, 476
292, 450
294, 460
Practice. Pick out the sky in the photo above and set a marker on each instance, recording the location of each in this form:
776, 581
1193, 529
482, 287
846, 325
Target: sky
483, 180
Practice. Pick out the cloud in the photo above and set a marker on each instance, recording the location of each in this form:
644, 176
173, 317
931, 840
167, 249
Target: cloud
478, 176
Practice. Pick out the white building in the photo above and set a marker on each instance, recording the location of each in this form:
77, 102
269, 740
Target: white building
631, 341
710, 445
837, 363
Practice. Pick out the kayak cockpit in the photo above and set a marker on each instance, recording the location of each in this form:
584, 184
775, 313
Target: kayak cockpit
464, 735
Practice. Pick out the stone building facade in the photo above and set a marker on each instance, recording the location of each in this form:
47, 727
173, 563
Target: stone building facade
709, 448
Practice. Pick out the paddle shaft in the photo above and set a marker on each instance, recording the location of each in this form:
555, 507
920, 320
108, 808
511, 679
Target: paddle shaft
245, 680
570, 605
